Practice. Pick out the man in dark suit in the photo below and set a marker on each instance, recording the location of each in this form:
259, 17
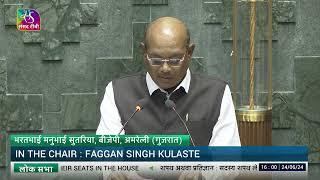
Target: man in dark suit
205, 103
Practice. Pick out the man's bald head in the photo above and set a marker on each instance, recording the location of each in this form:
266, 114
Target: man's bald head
169, 29
167, 39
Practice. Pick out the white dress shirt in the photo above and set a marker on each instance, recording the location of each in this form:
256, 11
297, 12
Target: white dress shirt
224, 133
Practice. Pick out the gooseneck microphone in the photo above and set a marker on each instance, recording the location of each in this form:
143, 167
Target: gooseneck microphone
171, 105
139, 107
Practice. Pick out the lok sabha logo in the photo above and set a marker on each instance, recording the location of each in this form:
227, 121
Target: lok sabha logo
28, 20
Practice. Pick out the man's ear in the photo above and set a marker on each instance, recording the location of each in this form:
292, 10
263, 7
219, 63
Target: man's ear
143, 51
190, 49
143, 47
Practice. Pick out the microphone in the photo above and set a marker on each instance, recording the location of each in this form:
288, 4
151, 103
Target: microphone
171, 105
139, 107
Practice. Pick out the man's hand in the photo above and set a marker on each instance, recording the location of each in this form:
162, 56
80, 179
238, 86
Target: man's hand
191, 176
117, 176
125, 176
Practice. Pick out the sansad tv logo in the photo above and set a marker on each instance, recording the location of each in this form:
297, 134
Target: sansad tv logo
28, 20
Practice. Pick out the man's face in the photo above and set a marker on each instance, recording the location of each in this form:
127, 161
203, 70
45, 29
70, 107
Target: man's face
166, 75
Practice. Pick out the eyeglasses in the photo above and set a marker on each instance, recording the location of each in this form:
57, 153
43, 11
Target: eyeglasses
171, 61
